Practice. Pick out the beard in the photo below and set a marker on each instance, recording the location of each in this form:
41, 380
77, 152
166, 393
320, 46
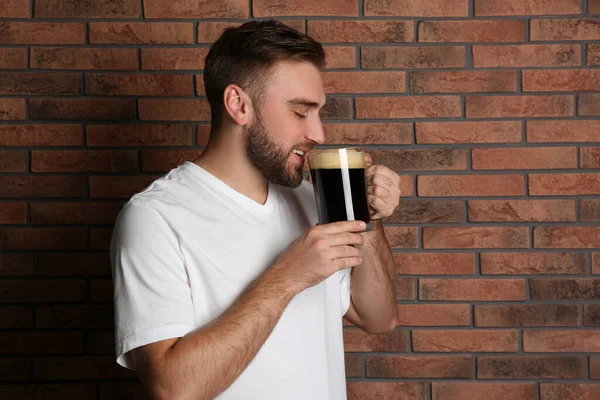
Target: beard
271, 159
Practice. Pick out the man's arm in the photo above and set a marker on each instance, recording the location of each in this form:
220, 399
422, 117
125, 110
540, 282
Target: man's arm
373, 295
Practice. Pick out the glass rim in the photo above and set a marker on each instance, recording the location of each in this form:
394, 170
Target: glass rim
335, 150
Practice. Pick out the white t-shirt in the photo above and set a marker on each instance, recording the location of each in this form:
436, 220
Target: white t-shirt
185, 248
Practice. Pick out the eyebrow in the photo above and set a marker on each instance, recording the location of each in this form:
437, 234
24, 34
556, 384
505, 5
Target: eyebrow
305, 102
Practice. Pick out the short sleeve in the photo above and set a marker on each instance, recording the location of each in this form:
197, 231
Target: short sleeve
152, 294
345, 287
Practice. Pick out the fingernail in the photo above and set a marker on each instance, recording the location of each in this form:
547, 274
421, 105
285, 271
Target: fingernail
363, 224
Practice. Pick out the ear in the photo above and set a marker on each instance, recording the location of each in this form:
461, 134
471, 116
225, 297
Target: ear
237, 104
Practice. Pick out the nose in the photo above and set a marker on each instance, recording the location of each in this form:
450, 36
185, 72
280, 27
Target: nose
316, 131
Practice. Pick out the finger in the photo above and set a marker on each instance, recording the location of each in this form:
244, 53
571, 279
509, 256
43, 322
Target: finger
347, 262
380, 170
345, 251
380, 191
343, 226
344, 238
368, 159
379, 180
377, 203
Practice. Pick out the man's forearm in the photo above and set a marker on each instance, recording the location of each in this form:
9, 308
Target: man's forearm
207, 361
373, 283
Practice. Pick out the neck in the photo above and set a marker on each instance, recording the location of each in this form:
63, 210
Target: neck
225, 158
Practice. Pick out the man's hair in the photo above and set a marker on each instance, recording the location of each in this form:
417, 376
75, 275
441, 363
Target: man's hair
245, 55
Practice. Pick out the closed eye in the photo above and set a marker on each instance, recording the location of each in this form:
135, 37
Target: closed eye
302, 116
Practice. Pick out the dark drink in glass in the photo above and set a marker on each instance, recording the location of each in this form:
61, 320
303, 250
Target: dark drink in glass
338, 177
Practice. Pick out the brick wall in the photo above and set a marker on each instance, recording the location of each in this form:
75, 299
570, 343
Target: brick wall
487, 108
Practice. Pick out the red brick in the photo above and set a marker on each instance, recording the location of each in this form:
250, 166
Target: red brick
472, 289
560, 80
488, 391
590, 157
164, 160
139, 85
468, 132
84, 160
15, 317
562, 131
203, 134
537, 263
572, 237
39, 342
402, 237
519, 106
200, 89
93, 9
39, 83
433, 315
209, 31
186, 9
564, 29
74, 264
372, 133
405, 289
406, 185
591, 315
544, 315
118, 186
30, 391
588, 105
15, 9
595, 367
123, 390
141, 32
476, 237
340, 57
479, 341
174, 110
138, 135
387, 390
463, 81
527, 55
593, 7
12, 109
89, 367
102, 290
337, 108
526, 7
43, 290
470, 185
564, 184
524, 158
596, 263
362, 31
408, 107
419, 367
413, 57
565, 289
16, 265
353, 366
100, 238
417, 8
100, 342
364, 82
75, 213
42, 33
40, 135
11, 58
357, 340
77, 58
521, 210
42, 238
74, 316
589, 210
529, 367
42, 186
593, 54
434, 263
472, 31
548, 341
82, 109
13, 212
279, 8
15, 369
13, 161
569, 391
421, 159
174, 59
420, 211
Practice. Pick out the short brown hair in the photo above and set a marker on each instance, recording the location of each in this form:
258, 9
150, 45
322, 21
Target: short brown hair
245, 54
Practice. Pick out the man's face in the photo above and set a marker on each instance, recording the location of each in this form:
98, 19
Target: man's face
287, 125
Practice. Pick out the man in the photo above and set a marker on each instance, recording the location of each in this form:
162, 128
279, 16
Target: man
225, 285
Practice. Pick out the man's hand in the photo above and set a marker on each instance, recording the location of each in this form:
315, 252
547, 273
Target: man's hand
383, 189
